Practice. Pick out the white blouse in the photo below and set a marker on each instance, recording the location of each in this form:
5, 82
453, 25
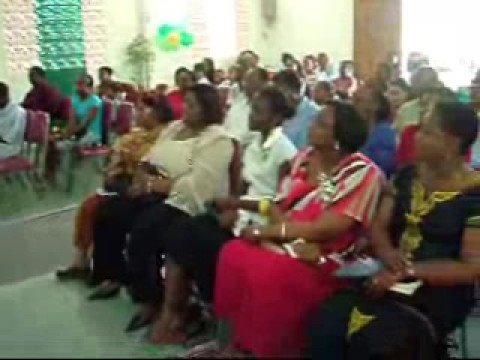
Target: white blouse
198, 167
261, 171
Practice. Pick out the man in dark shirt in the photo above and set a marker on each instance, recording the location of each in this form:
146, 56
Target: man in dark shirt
42, 96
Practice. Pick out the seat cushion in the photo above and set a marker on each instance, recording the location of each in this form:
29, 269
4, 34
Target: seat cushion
15, 164
90, 151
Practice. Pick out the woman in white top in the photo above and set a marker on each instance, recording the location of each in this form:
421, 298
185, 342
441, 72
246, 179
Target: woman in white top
187, 167
192, 245
13, 119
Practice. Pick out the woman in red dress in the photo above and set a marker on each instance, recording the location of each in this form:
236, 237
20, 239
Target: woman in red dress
271, 279
183, 80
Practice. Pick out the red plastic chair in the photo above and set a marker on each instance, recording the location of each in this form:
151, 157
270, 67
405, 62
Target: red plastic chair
36, 133
107, 121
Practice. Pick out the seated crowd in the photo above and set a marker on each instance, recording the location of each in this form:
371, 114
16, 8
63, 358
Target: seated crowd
278, 213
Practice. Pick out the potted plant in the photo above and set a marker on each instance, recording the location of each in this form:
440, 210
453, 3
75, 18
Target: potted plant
140, 56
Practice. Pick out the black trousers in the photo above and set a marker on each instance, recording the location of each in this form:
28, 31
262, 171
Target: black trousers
382, 329
194, 244
145, 249
115, 219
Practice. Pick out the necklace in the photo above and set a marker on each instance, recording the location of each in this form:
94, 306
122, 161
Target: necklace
327, 187
421, 205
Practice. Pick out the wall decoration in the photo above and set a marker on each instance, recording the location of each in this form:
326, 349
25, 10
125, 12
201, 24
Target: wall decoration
62, 36
173, 37
20, 33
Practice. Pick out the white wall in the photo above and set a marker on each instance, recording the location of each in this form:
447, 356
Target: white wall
122, 26
303, 27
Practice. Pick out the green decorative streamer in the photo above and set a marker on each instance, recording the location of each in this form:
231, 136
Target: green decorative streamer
61, 40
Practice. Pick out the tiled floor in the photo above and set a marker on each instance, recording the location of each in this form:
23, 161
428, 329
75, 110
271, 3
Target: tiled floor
20, 201
40, 317
44, 319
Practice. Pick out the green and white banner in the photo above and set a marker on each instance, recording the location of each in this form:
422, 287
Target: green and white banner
65, 37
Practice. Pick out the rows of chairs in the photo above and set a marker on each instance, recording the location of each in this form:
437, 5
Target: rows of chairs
31, 162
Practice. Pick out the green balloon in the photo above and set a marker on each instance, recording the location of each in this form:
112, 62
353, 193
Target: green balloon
164, 30
186, 39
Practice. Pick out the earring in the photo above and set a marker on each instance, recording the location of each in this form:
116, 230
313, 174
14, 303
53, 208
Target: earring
336, 146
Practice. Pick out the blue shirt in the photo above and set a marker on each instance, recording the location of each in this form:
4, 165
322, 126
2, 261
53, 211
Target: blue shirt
381, 147
298, 127
82, 107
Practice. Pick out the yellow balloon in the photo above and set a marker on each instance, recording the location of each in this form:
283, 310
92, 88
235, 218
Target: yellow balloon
174, 38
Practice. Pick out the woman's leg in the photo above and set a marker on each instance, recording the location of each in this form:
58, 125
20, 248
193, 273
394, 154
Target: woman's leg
83, 240
192, 246
143, 250
112, 223
144, 264
83, 236
169, 326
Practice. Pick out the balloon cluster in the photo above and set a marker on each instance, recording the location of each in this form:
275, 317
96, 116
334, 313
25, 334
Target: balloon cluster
173, 37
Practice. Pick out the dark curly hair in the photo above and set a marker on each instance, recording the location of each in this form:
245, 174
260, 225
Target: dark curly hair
288, 78
350, 129
459, 120
277, 102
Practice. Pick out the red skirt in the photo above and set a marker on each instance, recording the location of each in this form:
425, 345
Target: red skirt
268, 298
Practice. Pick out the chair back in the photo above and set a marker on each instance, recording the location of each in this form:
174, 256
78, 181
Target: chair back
37, 137
37, 128
124, 120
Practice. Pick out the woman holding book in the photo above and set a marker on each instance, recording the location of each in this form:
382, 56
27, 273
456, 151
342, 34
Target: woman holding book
426, 233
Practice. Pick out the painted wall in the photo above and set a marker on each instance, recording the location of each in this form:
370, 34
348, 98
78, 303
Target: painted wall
121, 28
302, 26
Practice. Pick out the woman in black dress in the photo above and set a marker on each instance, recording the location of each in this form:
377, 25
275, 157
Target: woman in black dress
427, 230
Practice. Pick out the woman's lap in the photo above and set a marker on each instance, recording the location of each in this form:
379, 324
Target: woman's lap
271, 293
115, 218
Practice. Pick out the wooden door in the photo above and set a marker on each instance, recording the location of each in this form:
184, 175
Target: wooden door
377, 37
